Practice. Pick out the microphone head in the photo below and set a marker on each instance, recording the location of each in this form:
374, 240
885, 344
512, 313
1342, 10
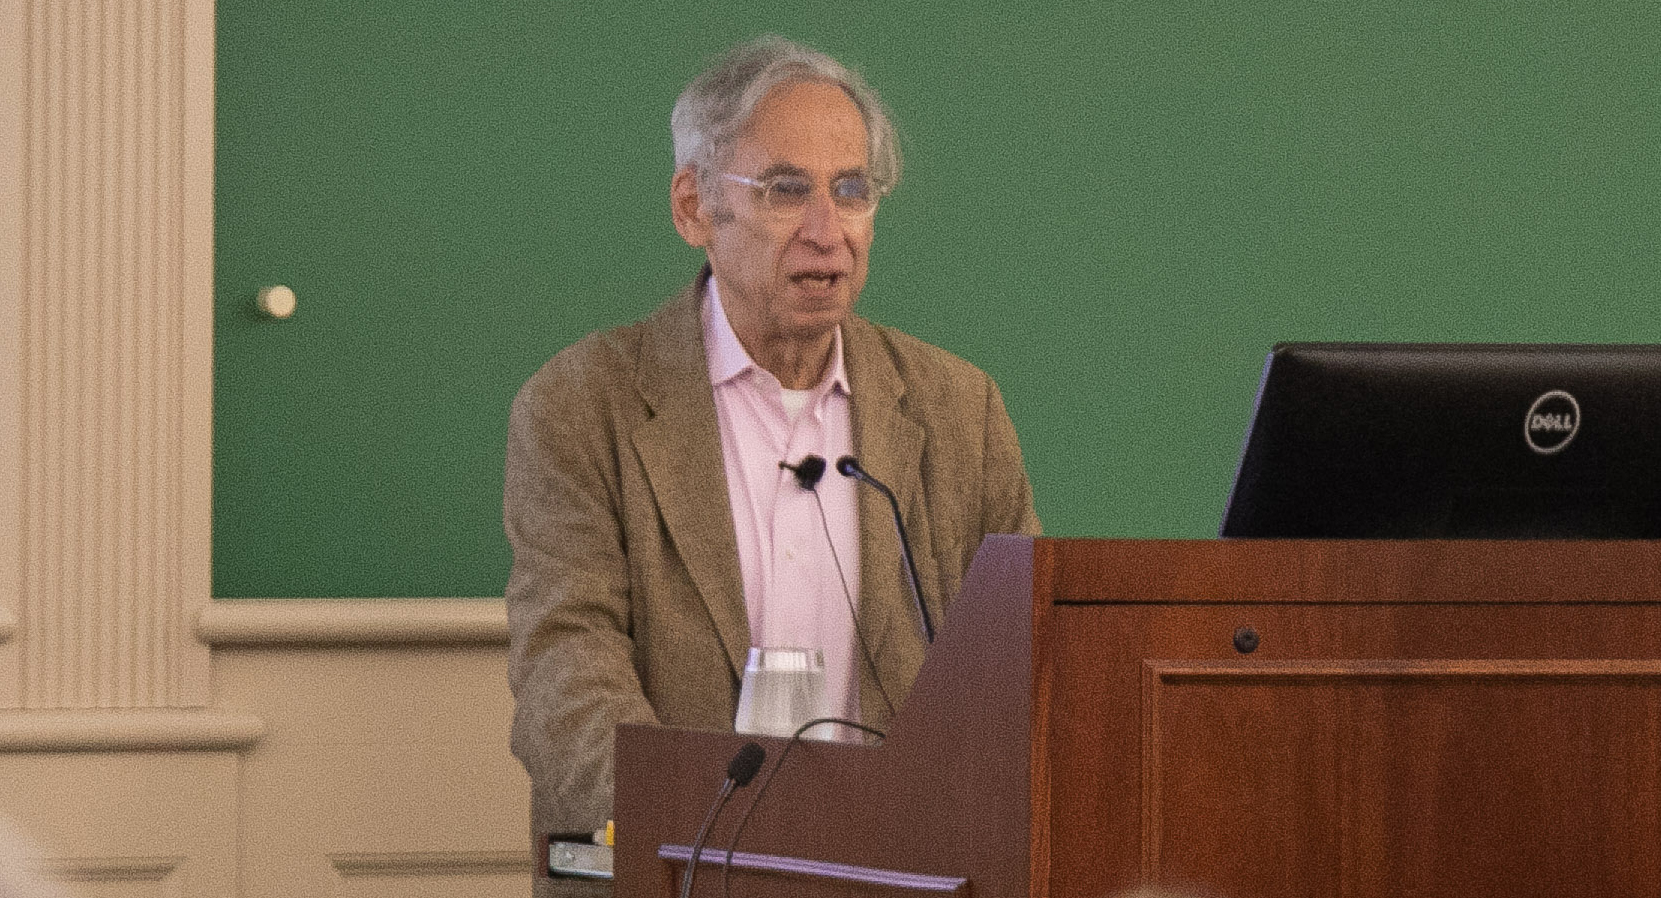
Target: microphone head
848, 467
745, 764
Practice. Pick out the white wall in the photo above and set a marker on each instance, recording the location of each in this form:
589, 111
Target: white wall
153, 741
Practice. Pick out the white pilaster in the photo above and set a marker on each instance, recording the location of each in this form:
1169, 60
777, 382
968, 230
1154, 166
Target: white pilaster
106, 137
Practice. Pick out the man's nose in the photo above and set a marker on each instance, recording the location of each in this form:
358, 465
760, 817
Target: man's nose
821, 224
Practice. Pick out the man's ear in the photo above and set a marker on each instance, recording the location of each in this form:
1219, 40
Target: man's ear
693, 219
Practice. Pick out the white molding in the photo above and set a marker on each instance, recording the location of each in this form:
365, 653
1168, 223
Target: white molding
109, 869
431, 863
127, 730
14, 161
324, 622
195, 348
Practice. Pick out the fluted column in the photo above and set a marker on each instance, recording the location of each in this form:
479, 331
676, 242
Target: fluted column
105, 369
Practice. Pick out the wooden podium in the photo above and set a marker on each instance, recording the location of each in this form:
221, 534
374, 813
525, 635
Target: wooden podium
1245, 719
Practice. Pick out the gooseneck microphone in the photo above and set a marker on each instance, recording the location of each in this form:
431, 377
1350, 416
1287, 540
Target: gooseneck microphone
744, 765
848, 466
761, 790
808, 472
740, 770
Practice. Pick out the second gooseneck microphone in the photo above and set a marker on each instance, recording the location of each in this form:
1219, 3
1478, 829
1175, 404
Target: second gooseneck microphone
740, 770
848, 466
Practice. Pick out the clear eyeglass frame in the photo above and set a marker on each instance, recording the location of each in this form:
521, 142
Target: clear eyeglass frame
787, 196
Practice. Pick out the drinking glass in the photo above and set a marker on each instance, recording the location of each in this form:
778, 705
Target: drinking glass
783, 689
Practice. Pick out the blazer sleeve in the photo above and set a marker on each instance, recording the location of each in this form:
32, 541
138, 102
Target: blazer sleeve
1006, 505
571, 652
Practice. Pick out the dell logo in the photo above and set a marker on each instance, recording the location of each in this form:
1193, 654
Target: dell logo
1551, 422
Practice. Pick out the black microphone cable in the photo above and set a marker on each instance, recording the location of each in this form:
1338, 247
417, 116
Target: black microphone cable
808, 471
848, 466
761, 790
740, 770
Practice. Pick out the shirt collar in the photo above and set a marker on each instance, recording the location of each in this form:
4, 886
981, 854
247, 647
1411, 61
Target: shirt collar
728, 359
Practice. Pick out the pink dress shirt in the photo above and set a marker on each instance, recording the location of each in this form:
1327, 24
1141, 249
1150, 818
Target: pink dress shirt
792, 590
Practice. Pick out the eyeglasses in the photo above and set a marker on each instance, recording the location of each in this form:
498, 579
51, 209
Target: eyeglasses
786, 197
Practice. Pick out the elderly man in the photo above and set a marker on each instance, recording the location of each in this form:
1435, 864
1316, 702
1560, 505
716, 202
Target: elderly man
656, 537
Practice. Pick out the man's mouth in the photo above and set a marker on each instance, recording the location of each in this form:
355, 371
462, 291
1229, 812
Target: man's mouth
816, 280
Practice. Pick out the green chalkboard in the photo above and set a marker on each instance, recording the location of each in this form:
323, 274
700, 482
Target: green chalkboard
1114, 208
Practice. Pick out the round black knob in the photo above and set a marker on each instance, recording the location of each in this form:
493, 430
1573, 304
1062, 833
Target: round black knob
1245, 640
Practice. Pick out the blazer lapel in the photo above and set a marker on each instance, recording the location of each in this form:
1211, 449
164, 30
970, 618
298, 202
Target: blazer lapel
890, 446
680, 449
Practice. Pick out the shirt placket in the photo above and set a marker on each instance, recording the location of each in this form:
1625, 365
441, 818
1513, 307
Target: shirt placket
793, 592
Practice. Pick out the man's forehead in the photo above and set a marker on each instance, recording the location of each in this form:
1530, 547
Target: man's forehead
806, 124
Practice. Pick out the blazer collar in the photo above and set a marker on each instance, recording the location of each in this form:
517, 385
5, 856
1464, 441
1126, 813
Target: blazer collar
889, 444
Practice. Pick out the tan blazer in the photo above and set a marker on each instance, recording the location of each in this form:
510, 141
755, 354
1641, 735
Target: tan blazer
625, 602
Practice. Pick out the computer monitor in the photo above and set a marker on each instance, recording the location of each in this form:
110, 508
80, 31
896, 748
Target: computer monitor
1423, 441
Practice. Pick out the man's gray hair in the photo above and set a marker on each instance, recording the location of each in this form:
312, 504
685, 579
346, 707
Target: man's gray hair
715, 106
